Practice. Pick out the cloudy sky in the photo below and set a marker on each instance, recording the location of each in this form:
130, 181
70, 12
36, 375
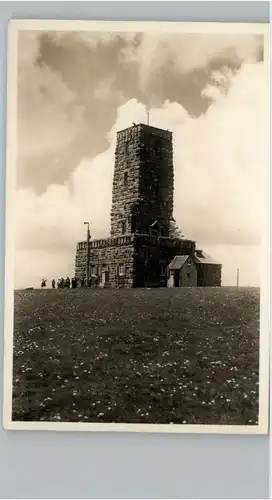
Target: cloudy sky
76, 89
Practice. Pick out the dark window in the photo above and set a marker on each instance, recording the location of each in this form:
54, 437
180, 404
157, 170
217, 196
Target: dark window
163, 270
125, 178
123, 227
188, 275
133, 224
155, 229
145, 254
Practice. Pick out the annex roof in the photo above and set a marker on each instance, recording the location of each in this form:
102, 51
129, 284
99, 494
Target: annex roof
203, 258
178, 262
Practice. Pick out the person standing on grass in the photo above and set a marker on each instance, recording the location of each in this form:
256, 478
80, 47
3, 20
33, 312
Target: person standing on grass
43, 284
53, 283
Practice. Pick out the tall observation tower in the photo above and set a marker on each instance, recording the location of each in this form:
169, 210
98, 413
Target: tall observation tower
139, 251
142, 193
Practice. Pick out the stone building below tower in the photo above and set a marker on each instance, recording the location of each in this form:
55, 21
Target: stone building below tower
140, 249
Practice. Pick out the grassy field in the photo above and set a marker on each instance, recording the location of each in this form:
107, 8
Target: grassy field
137, 356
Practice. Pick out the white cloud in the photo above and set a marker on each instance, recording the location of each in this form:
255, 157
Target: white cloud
220, 82
219, 159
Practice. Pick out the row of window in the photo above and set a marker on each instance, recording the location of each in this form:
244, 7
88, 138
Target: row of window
98, 270
120, 270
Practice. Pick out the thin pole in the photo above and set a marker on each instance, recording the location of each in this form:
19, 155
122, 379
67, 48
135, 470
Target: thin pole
87, 253
148, 118
237, 277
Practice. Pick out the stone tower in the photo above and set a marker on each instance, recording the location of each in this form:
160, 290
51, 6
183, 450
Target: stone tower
142, 196
139, 250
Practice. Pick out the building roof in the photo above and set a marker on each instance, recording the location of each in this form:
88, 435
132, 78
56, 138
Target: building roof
149, 128
203, 258
199, 258
156, 223
178, 262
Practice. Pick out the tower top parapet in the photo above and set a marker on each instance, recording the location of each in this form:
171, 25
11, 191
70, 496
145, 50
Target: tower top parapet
128, 133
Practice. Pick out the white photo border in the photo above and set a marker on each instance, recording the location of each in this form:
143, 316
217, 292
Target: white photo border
15, 26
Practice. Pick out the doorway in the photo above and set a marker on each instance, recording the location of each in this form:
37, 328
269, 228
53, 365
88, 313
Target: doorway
105, 279
176, 279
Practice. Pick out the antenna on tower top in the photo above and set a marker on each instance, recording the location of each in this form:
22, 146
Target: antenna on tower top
148, 118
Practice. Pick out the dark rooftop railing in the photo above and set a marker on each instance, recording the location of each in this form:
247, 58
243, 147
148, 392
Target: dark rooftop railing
133, 131
144, 239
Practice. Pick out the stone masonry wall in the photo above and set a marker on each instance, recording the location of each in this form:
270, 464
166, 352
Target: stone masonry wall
125, 190
108, 255
143, 180
142, 258
156, 183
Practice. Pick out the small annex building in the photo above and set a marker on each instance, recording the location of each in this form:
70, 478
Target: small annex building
208, 269
182, 271
198, 269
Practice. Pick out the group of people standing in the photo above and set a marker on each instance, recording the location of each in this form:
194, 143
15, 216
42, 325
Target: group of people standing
72, 283
65, 283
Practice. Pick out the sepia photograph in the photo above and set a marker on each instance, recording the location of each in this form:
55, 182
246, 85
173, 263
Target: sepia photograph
137, 277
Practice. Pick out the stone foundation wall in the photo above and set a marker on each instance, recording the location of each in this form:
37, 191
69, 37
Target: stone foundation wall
114, 256
143, 259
